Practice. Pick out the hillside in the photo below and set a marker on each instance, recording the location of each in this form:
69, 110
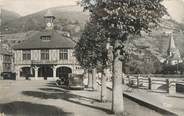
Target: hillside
158, 39
67, 14
8, 16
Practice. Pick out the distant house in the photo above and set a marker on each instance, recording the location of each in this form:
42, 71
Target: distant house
5, 61
46, 54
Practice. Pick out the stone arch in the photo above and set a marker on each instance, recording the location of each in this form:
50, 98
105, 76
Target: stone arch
63, 71
26, 71
68, 66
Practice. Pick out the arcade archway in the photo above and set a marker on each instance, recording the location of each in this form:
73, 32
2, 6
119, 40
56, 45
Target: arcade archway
26, 72
45, 71
62, 72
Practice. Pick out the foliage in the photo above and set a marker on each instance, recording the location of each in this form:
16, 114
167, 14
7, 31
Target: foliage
173, 69
119, 17
140, 66
90, 49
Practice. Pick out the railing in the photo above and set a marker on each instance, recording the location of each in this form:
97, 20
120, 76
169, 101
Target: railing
43, 62
165, 84
159, 75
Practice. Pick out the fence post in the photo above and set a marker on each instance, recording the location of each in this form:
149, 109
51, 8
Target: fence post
171, 86
167, 85
137, 77
149, 83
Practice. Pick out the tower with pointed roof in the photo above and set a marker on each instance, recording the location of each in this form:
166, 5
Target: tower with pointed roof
172, 47
173, 53
49, 20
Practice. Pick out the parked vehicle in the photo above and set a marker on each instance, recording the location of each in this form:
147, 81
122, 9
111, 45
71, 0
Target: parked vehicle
8, 75
74, 81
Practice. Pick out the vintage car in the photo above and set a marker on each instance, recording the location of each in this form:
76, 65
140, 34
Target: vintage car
8, 75
73, 81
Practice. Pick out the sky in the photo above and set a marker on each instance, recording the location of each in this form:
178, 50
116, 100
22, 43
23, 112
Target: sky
176, 9
25, 7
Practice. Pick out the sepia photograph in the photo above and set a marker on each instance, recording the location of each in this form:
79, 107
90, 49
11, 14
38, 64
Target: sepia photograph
91, 57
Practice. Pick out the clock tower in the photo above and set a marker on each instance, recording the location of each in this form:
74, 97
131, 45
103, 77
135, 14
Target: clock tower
49, 18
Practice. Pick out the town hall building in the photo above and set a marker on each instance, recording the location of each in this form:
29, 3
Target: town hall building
46, 54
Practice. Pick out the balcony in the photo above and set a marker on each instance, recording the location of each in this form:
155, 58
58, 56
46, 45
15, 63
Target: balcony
44, 62
37, 62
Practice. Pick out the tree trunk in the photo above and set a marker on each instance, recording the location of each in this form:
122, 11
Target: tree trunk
94, 79
90, 80
117, 92
103, 87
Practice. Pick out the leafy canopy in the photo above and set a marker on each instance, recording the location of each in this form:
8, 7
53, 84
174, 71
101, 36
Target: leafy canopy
119, 17
90, 49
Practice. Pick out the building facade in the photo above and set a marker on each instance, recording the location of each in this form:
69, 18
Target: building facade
5, 61
46, 54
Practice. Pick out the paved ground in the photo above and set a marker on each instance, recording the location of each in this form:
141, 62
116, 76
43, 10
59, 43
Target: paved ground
173, 103
43, 98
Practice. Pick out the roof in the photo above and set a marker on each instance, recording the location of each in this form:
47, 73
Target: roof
172, 46
56, 41
49, 14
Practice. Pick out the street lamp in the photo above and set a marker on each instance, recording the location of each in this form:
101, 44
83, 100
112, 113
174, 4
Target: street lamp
108, 44
109, 49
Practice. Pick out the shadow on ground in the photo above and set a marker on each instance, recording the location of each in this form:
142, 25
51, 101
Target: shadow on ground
176, 96
51, 84
63, 91
19, 108
59, 93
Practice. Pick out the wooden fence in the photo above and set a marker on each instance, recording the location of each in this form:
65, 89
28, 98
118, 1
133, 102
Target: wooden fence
153, 83
159, 75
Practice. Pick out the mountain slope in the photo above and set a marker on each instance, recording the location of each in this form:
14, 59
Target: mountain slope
67, 14
158, 39
8, 16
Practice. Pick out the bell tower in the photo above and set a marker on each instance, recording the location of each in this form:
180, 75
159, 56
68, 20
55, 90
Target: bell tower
173, 53
49, 20
172, 47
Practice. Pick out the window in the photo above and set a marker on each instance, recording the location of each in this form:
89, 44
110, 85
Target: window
46, 38
26, 54
7, 58
63, 54
44, 54
78, 67
147, 59
6, 67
